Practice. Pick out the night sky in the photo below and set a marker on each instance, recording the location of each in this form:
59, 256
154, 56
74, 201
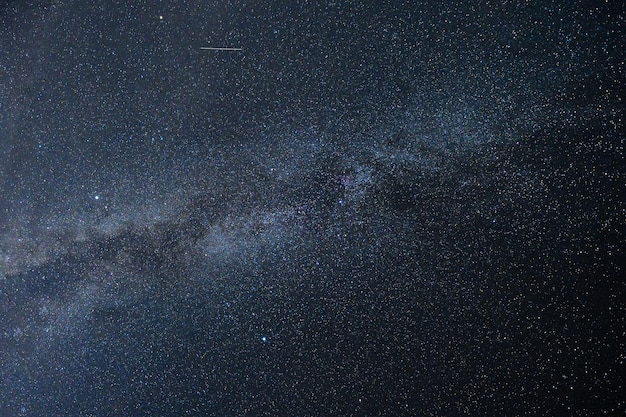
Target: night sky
368, 209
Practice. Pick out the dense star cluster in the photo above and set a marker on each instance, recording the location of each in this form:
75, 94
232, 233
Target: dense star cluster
401, 209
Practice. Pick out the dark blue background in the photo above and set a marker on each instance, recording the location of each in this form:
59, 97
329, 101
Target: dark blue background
395, 209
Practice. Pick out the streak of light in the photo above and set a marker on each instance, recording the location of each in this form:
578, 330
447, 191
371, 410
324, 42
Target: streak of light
212, 48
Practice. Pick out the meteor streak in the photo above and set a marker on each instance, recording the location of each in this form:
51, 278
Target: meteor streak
211, 48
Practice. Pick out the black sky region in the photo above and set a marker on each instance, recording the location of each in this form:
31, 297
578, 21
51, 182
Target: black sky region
371, 209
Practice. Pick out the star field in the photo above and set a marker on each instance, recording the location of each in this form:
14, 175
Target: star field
398, 209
